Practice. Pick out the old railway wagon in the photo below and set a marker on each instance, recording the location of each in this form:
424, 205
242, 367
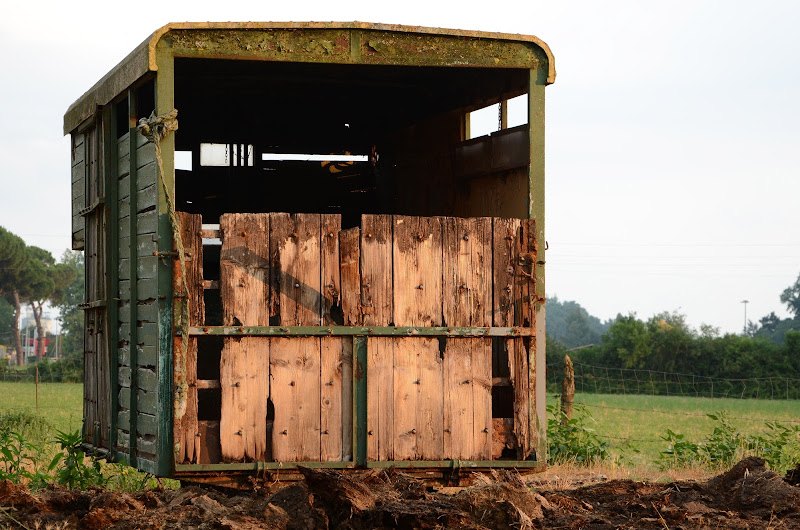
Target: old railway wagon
297, 254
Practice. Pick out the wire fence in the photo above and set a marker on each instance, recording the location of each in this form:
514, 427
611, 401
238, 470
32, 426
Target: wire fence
607, 380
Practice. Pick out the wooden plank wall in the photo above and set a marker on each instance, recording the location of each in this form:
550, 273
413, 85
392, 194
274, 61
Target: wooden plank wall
427, 398
141, 268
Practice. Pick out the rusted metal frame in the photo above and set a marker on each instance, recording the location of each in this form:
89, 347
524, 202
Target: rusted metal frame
134, 294
360, 400
536, 364
165, 102
112, 260
360, 331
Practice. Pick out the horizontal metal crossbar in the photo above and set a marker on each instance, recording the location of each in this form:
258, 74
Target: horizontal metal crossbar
373, 331
404, 464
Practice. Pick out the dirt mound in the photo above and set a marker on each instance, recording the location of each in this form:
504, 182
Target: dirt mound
747, 496
793, 476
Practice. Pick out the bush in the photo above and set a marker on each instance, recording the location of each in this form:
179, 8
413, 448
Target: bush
571, 440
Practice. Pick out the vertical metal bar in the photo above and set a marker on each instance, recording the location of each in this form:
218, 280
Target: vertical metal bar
112, 259
165, 101
133, 259
360, 401
536, 175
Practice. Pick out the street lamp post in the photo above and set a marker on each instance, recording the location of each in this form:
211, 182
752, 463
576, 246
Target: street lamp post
745, 302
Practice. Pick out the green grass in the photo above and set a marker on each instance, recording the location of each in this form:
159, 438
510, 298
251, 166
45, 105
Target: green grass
638, 421
60, 404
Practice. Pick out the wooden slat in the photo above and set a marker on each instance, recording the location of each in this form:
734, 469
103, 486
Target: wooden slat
418, 399
458, 400
332, 366
406, 399
504, 243
430, 402
244, 377
185, 426
210, 452
295, 392
518, 367
376, 270
347, 398
349, 252
380, 398
481, 398
243, 380
244, 269
417, 271
525, 280
467, 271
295, 256
330, 225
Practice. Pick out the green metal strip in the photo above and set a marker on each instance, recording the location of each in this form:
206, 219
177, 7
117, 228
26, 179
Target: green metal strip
449, 464
404, 464
259, 466
134, 295
165, 102
536, 173
374, 331
94, 304
360, 400
112, 259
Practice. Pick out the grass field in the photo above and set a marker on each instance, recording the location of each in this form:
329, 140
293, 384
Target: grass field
637, 421
60, 404
627, 421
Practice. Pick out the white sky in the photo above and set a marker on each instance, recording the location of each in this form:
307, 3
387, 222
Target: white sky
673, 134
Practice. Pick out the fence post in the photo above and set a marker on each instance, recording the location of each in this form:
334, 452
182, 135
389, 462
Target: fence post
567, 390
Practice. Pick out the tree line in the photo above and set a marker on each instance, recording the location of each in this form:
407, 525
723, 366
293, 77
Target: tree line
30, 276
665, 342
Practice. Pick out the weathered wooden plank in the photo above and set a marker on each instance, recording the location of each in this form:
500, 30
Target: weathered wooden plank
146, 400
244, 384
376, 270
458, 404
347, 398
147, 379
124, 192
244, 269
481, 398
525, 276
145, 424
406, 399
417, 271
244, 376
145, 154
518, 368
146, 311
187, 291
380, 398
295, 393
147, 198
332, 405
147, 175
430, 400
330, 226
467, 271
123, 165
505, 237
147, 222
295, 256
350, 276
210, 451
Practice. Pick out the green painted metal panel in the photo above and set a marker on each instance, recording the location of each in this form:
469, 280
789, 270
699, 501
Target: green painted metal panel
165, 102
536, 363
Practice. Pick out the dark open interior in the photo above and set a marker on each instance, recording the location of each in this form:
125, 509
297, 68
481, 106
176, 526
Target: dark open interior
408, 124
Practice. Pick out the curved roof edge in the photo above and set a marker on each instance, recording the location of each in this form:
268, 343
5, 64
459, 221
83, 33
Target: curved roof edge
143, 58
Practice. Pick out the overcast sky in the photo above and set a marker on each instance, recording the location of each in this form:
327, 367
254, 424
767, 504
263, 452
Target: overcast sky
673, 134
